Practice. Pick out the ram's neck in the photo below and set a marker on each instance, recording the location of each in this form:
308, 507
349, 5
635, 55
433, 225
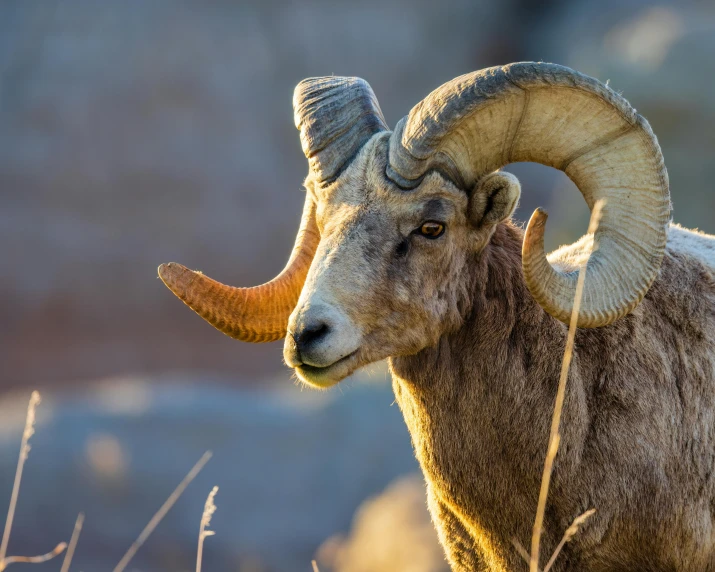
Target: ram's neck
478, 405
504, 333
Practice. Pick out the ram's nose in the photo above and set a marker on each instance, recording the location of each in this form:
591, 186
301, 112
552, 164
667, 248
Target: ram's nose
319, 336
301, 340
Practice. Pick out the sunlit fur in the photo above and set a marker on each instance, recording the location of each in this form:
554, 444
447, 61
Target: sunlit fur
475, 364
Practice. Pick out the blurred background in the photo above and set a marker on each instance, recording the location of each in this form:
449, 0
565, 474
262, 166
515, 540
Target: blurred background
144, 131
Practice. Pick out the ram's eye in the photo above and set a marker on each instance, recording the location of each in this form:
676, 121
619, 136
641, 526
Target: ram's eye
432, 229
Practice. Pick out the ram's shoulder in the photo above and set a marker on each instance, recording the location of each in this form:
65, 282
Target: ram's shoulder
693, 243
681, 242
570, 256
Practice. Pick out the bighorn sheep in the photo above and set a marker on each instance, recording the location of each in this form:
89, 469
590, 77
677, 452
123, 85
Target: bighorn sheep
406, 251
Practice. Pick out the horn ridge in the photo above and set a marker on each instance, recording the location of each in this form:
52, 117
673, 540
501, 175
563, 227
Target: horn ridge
336, 117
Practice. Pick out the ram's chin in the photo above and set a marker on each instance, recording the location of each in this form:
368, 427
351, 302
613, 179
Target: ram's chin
324, 377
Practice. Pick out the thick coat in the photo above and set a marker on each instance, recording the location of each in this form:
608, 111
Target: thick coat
638, 432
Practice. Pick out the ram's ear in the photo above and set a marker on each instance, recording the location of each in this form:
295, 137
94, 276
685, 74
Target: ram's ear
494, 199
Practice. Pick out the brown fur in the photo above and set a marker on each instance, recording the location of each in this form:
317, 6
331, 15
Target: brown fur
475, 365
637, 434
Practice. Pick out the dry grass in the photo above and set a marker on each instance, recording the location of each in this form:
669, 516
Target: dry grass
73, 543
29, 430
554, 437
33, 559
24, 453
209, 510
161, 513
568, 535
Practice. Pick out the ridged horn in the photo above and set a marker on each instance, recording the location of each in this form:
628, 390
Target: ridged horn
336, 116
550, 114
258, 314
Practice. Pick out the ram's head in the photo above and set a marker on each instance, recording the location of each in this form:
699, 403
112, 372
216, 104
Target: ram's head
391, 219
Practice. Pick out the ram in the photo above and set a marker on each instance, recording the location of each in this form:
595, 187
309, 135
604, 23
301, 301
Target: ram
406, 251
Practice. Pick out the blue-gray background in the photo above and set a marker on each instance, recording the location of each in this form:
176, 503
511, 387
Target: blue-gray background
143, 131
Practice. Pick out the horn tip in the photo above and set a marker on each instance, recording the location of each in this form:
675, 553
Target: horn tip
539, 217
534, 236
169, 269
174, 276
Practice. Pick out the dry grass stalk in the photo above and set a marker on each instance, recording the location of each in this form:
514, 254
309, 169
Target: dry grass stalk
24, 452
521, 550
161, 513
73, 543
315, 566
558, 407
33, 559
568, 535
209, 510
28, 432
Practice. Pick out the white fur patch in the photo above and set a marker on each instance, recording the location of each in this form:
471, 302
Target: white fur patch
692, 242
680, 240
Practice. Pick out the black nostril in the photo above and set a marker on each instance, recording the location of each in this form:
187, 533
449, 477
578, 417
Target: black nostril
310, 333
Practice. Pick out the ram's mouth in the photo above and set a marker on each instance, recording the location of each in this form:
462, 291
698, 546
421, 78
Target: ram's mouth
324, 377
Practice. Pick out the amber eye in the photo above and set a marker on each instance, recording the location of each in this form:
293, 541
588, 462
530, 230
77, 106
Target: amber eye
432, 229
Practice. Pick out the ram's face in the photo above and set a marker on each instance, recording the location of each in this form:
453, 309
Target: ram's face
386, 277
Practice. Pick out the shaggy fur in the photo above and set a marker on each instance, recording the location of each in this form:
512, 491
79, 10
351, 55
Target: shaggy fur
475, 363
638, 432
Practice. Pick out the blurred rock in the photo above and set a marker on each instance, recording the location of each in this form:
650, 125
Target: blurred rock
390, 532
292, 467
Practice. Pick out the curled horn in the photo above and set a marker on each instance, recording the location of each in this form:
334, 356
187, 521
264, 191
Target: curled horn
550, 114
336, 116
